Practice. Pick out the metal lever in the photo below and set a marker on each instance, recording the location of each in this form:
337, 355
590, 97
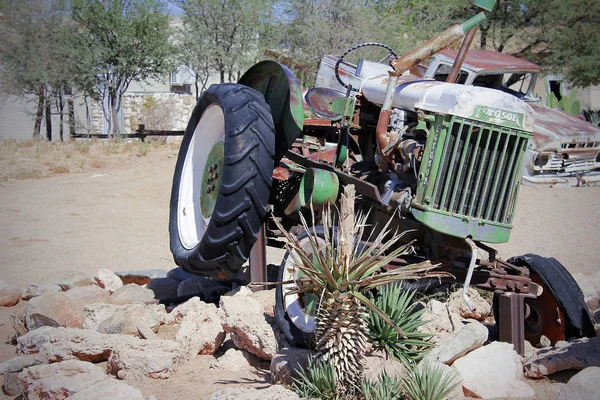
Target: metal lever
466, 297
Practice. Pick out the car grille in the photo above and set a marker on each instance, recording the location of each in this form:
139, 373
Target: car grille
478, 173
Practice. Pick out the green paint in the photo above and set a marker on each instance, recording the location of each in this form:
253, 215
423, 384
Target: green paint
498, 116
449, 176
487, 5
318, 187
473, 22
211, 179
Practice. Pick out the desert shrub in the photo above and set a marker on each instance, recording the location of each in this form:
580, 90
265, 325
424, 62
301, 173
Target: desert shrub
429, 382
316, 381
384, 388
398, 303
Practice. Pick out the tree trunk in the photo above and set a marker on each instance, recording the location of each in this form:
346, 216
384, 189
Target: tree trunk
114, 115
222, 74
38, 115
196, 86
48, 121
71, 108
61, 109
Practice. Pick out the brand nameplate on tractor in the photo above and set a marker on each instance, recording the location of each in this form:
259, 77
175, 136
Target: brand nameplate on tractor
498, 116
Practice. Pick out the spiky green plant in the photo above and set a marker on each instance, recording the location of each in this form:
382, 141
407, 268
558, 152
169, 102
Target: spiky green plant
429, 382
384, 388
316, 381
340, 275
398, 304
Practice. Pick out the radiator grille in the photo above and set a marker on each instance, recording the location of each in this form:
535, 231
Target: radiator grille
478, 171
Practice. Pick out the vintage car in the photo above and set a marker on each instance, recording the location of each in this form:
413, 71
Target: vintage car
565, 149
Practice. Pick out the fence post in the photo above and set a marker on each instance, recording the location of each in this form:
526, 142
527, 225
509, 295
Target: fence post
140, 131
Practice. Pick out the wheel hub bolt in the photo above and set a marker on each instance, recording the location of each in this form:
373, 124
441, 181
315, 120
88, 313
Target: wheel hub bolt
212, 187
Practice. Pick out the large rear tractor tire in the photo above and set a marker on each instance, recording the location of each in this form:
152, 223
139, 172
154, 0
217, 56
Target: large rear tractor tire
222, 181
560, 312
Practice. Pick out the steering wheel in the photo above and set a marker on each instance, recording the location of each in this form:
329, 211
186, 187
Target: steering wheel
350, 50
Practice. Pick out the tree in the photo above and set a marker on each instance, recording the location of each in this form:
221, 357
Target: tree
223, 35
32, 54
116, 42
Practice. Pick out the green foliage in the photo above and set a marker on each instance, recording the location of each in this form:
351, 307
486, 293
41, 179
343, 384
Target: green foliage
568, 101
398, 304
384, 388
316, 381
429, 382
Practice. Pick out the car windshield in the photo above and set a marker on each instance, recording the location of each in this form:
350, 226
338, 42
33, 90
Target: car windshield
519, 83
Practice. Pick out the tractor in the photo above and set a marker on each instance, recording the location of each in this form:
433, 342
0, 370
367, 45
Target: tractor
441, 160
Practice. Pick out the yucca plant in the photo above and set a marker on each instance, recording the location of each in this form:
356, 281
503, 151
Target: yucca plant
340, 274
316, 381
429, 382
384, 388
398, 303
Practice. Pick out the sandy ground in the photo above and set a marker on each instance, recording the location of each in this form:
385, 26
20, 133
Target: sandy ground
116, 216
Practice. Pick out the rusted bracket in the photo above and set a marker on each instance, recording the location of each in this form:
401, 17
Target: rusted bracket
511, 321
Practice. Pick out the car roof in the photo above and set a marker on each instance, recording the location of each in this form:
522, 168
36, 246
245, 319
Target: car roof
487, 60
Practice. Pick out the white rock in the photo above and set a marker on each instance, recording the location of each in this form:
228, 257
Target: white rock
200, 330
13, 367
245, 321
59, 380
131, 293
460, 342
575, 355
457, 305
147, 358
107, 279
126, 319
440, 321
379, 363
493, 371
86, 295
68, 279
286, 362
54, 309
10, 295
232, 360
38, 289
97, 313
108, 389
585, 385
275, 392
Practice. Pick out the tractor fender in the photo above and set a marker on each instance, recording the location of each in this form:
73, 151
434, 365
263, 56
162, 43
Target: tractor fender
283, 93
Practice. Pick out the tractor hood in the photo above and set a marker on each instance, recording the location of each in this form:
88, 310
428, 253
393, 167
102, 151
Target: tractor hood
476, 103
555, 128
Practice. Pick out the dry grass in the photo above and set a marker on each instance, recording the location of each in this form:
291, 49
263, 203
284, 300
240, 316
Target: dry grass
33, 159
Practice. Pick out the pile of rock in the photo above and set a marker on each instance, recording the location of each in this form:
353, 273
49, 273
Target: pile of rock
95, 337
72, 323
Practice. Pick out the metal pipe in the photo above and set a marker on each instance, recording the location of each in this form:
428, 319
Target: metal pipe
466, 297
462, 54
384, 116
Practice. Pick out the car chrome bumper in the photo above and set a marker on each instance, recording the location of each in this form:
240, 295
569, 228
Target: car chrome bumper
572, 179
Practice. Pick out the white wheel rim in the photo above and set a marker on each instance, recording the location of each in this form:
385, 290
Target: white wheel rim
191, 224
293, 305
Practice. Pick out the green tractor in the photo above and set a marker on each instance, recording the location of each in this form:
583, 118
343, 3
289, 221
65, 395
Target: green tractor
443, 160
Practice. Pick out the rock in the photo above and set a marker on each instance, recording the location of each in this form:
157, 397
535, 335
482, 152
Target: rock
493, 371
10, 295
108, 280
13, 367
38, 289
457, 305
379, 363
97, 313
180, 275
146, 333
588, 288
147, 358
239, 291
163, 288
245, 321
68, 279
200, 330
58, 344
584, 385
131, 293
126, 319
208, 290
440, 321
232, 360
54, 309
286, 361
267, 299
86, 295
275, 392
60, 380
141, 277
460, 342
108, 389
578, 354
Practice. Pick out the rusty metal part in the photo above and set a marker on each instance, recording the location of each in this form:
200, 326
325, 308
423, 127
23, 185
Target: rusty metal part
462, 53
496, 280
545, 316
480, 60
258, 260
511, 317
